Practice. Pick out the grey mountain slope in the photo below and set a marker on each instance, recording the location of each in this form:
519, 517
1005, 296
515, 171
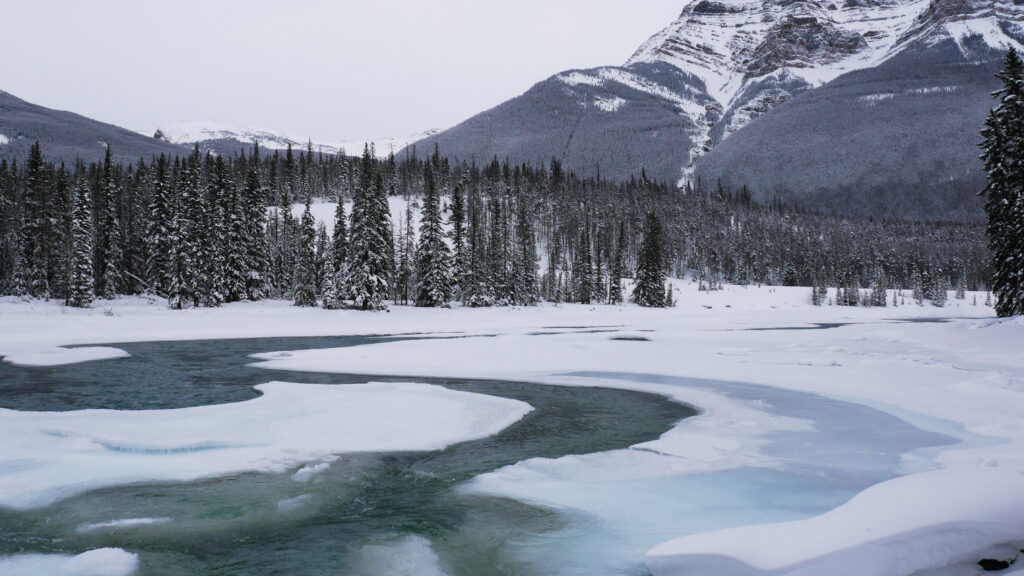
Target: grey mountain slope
613, 128
66, 136
897, 140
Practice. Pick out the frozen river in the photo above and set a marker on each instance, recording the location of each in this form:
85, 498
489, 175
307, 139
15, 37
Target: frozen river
467, 510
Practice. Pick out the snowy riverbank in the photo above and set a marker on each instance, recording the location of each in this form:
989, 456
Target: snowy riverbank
963, 377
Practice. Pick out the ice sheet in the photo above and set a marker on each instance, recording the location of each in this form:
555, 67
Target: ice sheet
56, 356
53, 455
99, 562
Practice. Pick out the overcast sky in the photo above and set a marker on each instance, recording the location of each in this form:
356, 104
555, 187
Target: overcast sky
325, 70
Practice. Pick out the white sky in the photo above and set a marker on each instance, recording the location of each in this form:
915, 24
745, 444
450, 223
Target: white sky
325, 70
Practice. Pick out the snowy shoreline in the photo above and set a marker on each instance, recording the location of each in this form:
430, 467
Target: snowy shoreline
967, 372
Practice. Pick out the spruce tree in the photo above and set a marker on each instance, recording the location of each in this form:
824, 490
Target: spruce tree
235, 230
370, 243
81, 286
304, 283
36, 224
940, 289
582, 269
180, 258
457, 222
1003, 155
216, 239
190, 263
525, 264
650, 275
257, 257
478, 289
339, 249
158, 233
405, 271
618, 271
109, 251
878, 293
433, 261
330, 294
917, 285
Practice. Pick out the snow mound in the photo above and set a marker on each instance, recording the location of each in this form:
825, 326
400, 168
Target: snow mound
907, 525
56, 356
49, 456
4, 140
100, 562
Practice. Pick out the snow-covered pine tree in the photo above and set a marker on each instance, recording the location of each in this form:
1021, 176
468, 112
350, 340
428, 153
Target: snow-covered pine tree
158, 233
618, 267
649, 290
36, 224
878, 287
583, 268
81, 286
304, 283
457, 223
215, 232
1003, 155
370, 244
433, 261
110, 233
525, 264
322, 251
852, 290
339, 248
180, 265
330, 295
478, 290
257, 251
600, 293
135, 192
289, 230
917, 285
940, 288
405, 272
790, 276
61, 244
235, 232
497, 248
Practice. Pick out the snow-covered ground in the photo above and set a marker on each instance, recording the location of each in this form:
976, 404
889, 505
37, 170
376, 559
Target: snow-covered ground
963, 378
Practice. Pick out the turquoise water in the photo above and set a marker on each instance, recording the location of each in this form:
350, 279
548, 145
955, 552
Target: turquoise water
271, 524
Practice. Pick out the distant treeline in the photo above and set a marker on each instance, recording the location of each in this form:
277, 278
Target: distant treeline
202, 230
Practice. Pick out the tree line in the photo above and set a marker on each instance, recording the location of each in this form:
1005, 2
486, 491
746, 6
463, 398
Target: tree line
205, 229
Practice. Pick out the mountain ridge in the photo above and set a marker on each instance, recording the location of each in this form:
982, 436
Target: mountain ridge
722, 66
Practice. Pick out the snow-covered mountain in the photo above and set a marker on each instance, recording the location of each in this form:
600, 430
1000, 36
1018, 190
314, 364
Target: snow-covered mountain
723, 65
218, 136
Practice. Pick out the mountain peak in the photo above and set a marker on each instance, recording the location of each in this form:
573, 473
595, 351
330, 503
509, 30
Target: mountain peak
211, 131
